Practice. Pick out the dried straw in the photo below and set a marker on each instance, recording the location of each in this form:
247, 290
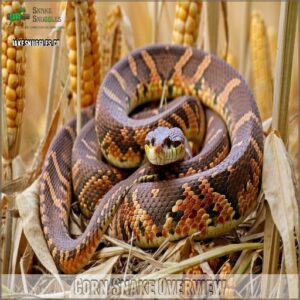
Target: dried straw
286, 38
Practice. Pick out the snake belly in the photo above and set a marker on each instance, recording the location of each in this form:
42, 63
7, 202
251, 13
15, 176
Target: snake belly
196, 196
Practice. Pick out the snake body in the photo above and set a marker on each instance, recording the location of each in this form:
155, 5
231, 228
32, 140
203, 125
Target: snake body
208, 194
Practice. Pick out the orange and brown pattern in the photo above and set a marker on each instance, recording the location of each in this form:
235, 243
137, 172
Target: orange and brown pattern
207, 194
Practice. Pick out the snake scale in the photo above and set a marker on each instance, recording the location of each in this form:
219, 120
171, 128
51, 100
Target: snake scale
208, 194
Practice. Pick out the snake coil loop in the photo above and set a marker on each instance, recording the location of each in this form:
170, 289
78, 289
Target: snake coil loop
209, 194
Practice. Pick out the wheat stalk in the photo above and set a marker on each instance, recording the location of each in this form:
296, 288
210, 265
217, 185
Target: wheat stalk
212, 26
244, 36
78, 67
272, 37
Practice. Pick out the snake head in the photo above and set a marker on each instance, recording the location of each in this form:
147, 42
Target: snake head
165, 145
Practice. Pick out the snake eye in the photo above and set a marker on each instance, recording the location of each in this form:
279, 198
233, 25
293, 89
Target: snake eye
167, 142
147, 142
176, 143
152, 141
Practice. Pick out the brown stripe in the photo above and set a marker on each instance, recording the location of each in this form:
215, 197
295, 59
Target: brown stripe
75, 172
192, 118
154, 192
201, 69
57, 202
91, 157
71, 132
245, 118
88, 146
58, 171
112, 96
210, 120
151, 65
76, 168
132, 65
224, 95
182, 61
257, 149
179, 121
215, 135
237, 144
164, 123
119, 78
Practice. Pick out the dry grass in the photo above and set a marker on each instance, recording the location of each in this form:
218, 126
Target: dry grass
238, 252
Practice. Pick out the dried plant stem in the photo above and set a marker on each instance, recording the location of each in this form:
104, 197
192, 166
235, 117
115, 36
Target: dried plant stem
4, 136
5, 177
212, 26
282, 82
1, 172
155, 21
137, 252
45, 143
78, 53
271, 245
128, 258
286, 38
52, 83
244, 36
226, 29
198, 259
8, 237
272, 38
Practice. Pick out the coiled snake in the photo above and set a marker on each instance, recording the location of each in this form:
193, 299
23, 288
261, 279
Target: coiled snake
208, 194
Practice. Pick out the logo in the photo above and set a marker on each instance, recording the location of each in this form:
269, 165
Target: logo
17, 16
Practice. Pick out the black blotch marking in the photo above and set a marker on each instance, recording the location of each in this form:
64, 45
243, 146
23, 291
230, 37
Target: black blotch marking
158, 234
176, 215
141, 227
